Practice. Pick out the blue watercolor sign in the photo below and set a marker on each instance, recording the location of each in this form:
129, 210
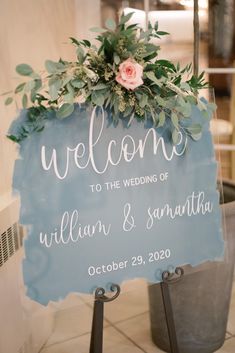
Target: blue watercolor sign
106, 203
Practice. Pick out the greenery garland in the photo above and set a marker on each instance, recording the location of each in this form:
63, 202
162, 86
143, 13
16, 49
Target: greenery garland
123, 75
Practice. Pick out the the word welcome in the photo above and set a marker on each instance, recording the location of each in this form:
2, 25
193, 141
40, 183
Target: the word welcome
126, 149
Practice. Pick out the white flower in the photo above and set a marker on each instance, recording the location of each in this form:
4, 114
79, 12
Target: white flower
80, 99
91, 74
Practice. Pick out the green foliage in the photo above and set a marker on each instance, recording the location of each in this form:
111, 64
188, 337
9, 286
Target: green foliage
8, 101
24, 101
175, 136
110, 24
97, 98
24, 69
65, 110
20, 87
162, 119
92, 78
35, 122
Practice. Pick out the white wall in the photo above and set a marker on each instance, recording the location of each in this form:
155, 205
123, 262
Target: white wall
32, 31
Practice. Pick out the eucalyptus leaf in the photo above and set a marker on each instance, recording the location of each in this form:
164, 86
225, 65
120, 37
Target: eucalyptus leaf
25, 101
24, 69
151, 76
98, 30
175, 120
29, 86
150, 48
98, 87
160, 101
107, 101
53, 67
162, 119
154, 117
97, 98
69, 98
65, 110
8, 101
127, 111
170, 103
110, 24
50, 66
38, 85
196, 137
77, 83
191, 100
144, 34
185, 86
80, 54
61, 67
20, 87
116, 106
181, 101
126, 18
194, 129
185, 109
35, 76
143, 100
54, 87
175, 136
66, 80
116, 58
70, 88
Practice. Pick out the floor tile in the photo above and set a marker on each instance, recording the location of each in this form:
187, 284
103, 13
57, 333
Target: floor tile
228, 335
138, 330
228, 347
114, 342
132, 301
231, 318
71, 322
129, 313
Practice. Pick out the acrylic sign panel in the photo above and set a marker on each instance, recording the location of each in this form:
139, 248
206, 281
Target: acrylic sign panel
105, 203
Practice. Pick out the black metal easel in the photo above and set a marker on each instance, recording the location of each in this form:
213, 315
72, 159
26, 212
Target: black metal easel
168, 278
96, 344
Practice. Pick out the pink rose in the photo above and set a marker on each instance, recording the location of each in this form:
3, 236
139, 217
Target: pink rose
130, 74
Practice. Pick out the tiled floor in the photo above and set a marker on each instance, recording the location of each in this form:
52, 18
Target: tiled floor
126, 326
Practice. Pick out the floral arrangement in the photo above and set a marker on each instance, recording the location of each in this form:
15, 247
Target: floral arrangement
123, 75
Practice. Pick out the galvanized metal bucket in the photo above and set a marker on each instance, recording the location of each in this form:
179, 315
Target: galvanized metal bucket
201, 298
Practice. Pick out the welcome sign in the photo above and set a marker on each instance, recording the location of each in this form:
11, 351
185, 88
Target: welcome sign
105, 203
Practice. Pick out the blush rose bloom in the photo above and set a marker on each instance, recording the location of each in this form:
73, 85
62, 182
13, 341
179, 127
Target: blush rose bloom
130, 74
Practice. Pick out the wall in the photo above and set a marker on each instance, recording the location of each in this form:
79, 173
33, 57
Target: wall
33, 31
30, 31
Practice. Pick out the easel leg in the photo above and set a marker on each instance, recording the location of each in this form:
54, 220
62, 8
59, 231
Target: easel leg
167, 279
96, 343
